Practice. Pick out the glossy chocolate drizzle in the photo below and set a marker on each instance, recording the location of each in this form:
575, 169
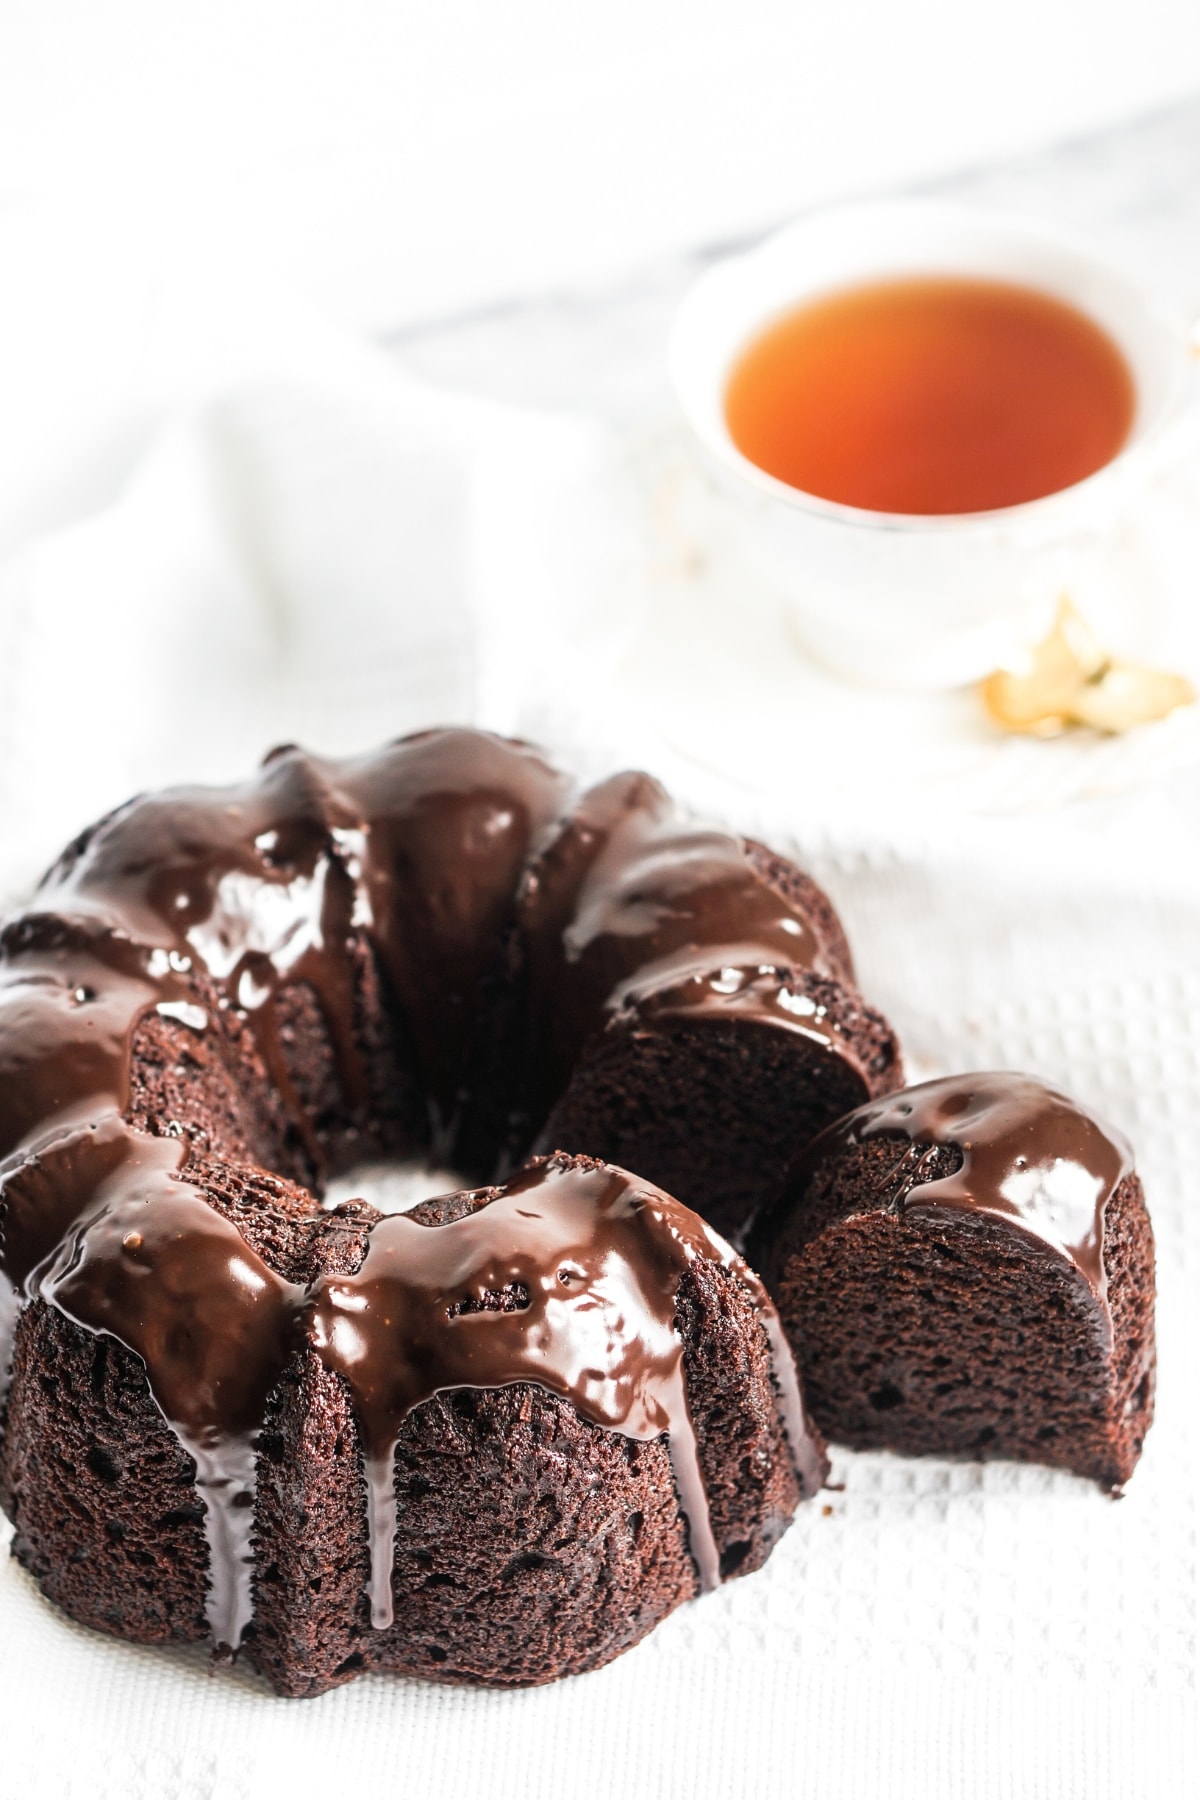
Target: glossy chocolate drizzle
238, 894
628, 904
1030, 1156
596, 1258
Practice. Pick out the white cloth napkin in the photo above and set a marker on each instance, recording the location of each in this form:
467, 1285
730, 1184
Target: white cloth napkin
307, 545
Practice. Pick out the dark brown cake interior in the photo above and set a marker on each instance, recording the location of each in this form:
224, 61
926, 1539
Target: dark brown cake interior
656, 1096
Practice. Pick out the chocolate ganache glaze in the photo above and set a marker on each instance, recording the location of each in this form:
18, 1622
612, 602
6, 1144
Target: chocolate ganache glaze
205, 906
1030, 1156
630, 905
592, 1259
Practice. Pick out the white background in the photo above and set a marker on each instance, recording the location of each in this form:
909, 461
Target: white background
400, 157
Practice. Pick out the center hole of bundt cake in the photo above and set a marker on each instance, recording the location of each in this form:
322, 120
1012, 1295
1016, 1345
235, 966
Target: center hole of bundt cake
398, 1187
392, 1187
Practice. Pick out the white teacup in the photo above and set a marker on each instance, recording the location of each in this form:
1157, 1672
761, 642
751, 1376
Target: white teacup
932, 601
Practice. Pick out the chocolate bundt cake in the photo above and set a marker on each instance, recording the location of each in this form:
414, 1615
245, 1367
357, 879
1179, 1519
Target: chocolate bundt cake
498, 1438
966, 1268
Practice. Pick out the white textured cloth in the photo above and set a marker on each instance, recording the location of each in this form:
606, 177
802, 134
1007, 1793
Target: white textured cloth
327, 552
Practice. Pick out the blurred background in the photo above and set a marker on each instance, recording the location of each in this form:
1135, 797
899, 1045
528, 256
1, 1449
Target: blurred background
401, 160
230, 234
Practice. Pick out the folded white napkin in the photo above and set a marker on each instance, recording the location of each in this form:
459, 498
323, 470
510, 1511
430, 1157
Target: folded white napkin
320, 551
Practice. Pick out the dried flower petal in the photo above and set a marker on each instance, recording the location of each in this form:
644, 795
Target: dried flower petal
1125, 696
1067, 680
1036, 698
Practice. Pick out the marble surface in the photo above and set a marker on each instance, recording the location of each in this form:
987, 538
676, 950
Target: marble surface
391, 160
1135, 191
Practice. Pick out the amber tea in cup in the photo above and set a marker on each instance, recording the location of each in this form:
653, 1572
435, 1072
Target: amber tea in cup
923, 423
931, 395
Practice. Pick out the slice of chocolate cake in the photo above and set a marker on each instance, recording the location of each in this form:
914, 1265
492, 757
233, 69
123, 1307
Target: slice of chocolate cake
966, 1268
